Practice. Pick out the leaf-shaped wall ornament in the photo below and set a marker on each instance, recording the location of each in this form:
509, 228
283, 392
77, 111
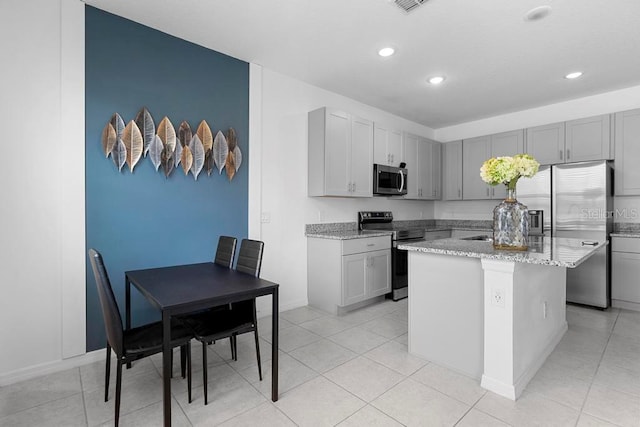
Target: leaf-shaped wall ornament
108, 139
184, 133
132, 139
167, 134
204, 133
119, 154
155, 151
232, 139
186, 160
208, 161
144, 121
237, 157
177, 155
197, 151
167, 161
220, 151
230, 166
118, 124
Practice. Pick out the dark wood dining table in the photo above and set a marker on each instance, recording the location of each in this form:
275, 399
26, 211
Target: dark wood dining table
187, 288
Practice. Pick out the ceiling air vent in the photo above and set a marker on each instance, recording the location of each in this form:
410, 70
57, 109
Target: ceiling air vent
408, 5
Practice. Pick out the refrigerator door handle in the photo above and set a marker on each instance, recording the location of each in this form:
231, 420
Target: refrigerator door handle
589, 243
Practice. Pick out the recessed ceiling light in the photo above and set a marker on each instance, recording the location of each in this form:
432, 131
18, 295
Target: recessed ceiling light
386, 51
573, 75
436, 80
537, 13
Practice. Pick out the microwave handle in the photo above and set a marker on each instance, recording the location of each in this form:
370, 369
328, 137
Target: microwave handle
401, 182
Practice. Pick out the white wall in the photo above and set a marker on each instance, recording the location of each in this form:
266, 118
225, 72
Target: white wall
42, 308
609, 102
282, 175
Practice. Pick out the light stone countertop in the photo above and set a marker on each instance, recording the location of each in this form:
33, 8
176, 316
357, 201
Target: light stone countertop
347, 234
553, 251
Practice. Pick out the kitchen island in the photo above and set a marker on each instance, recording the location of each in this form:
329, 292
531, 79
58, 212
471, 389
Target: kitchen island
493, 315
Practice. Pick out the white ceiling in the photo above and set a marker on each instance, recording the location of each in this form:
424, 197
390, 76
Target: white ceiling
495, 62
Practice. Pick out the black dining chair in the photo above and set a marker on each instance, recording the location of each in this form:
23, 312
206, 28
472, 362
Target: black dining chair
226, 251
239, 319
135, 343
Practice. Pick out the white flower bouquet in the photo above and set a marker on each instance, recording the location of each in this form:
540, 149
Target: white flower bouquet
508, 170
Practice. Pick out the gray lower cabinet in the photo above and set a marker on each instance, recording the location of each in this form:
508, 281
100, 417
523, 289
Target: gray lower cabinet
625, 270
345, 274
627, 148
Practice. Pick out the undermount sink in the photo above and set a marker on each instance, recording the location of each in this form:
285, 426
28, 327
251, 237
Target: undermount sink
480, 238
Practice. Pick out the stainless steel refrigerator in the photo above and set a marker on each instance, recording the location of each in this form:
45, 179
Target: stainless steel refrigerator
576, 200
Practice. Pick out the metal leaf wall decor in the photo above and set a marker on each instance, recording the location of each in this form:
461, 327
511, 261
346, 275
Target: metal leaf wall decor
132, 139
186, 160
220, 151
166, 148
147, 128
108, 139
155, 151
197, 151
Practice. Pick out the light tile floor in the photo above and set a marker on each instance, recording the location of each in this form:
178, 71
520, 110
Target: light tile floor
354, 370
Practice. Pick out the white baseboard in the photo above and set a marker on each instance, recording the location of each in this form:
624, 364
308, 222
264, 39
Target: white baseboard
51, 367
616, 303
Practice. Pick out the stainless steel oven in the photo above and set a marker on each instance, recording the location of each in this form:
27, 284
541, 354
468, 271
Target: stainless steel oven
399, 234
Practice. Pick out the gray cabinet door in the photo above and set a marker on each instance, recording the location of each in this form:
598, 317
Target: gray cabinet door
546, 143
361, 157
337, 151
354, 273
436, 169
378, 273
588, 139
627, 144
505, 144
425, 177
452, 171
625, 270
410, 144
474, 152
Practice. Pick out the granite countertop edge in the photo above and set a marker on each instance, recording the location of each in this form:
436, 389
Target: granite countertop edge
628, 234
347, 235
517, 257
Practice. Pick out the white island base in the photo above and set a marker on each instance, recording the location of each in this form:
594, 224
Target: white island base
494, 320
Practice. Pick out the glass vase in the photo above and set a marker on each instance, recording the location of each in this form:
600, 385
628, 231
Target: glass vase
511, 224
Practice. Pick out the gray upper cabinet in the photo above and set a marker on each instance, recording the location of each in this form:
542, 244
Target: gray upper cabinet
574, 141
423, 158
546, 143
588, 139
452, 170
627, 150
387, 145
340, 154
475, 151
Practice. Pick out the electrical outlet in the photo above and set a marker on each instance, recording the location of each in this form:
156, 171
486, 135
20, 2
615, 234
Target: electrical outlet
497, 297
265, 217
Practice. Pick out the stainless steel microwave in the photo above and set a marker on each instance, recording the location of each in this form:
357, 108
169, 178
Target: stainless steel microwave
389, 180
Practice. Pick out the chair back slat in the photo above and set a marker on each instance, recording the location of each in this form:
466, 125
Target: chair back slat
226, 251
250, 257
110, 312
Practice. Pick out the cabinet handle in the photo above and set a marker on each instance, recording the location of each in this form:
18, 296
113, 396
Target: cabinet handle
392, 157
354, 187
561, 154
350, 187
568, 154
371, 244
459, 193
487, 192
493, 192
388, 158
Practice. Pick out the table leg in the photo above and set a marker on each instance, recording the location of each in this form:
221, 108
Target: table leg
166, 367
127, 292
274, 346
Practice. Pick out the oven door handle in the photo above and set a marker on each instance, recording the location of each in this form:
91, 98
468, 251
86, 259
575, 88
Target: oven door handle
401, 181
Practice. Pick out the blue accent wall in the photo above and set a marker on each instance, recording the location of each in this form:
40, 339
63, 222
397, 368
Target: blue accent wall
140, 219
